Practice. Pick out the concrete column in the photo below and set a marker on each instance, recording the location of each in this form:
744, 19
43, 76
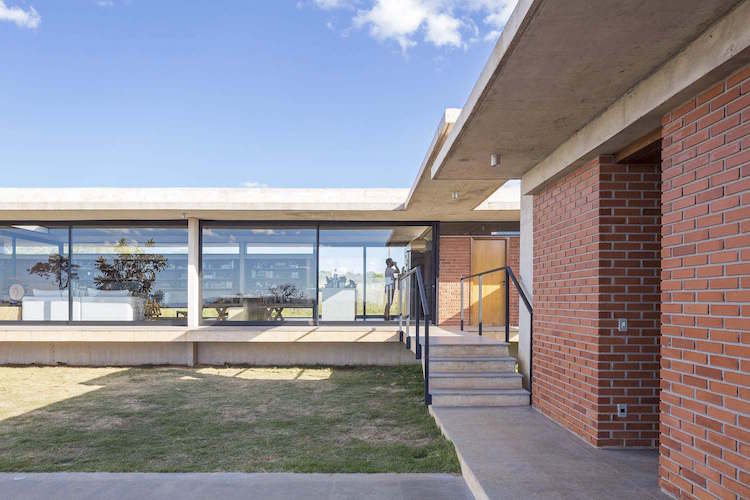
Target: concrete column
526, 271
191, 354
194, 281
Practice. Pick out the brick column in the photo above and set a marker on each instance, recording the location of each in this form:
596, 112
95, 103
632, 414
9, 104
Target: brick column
596, 261
705, 398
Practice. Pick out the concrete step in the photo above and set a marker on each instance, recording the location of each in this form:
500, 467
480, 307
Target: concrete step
471, 350
479, 397
469, 364
479, 380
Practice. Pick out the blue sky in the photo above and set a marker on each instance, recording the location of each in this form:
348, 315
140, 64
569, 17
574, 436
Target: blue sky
310, 93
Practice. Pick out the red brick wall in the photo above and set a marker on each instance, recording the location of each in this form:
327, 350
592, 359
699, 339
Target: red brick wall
629, 282
596, 259
566, 292
455, 261
513, 260
705, 398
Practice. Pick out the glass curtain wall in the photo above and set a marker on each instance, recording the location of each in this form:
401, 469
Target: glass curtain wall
117, 272
34, 273
354, 280
258, 273
129, 273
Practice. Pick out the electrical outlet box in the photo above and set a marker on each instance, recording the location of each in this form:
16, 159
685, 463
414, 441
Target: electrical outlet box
622, 410
622, 325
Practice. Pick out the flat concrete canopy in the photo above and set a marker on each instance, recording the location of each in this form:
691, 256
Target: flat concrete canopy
372, 204
556, 67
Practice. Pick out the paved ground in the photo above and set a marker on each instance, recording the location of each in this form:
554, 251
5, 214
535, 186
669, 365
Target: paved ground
519, 453
229, 486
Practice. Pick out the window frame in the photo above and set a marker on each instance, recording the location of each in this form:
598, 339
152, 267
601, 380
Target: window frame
69, 225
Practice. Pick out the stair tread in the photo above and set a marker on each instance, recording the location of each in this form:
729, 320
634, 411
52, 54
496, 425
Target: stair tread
475, 374
472, 358
443, 343
481, 392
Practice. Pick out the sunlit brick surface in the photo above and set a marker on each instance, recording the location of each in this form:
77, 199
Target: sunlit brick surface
705, 398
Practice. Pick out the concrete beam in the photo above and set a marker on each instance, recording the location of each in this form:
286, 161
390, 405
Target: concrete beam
450, 115
720, 50
272, 204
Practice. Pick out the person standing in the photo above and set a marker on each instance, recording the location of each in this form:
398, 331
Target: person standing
391, 272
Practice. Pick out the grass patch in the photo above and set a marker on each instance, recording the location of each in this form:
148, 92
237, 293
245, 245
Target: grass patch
231, 419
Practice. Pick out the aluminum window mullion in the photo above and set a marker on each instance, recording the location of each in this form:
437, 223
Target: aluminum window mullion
70, 274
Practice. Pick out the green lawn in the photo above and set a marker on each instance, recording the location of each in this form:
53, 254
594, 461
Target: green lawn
228, 419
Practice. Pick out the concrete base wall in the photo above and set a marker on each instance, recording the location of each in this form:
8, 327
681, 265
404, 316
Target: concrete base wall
95, 353
208, 353
282, 354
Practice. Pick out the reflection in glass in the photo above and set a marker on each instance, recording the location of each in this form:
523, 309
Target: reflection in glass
255, 273
34, 273
358, 258
129, 273
341, 278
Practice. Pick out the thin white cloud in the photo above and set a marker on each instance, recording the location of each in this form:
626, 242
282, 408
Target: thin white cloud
254, 185
491, 36
332, 4
442, 23
443, 29
105, 3
393, 19
23, 18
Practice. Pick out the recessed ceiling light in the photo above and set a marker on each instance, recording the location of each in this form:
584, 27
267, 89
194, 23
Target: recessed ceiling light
494, 160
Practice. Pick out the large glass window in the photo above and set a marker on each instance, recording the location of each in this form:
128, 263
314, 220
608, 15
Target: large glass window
258, 273
358, 267
129, 273
34, 273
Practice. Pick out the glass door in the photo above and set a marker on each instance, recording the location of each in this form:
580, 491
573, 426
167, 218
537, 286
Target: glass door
341, 279
359, 265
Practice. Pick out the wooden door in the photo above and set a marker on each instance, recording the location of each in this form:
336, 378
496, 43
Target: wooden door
487, 254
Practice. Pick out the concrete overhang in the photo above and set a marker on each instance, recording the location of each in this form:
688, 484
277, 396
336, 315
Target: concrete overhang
556, 67
456, 197
272, 204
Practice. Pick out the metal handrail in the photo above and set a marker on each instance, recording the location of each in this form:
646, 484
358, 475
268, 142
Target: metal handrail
509, 276
420, 296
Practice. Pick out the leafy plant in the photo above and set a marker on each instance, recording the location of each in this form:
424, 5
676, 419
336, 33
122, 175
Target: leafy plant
135, 271
57, 266
284, 293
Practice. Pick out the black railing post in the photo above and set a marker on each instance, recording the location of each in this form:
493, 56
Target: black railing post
507, 305
422, 297
427, 395
415, 308
479, 299
461, 311
400, 311
531, 350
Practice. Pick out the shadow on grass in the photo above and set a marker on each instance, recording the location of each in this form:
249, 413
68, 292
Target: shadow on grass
368, 419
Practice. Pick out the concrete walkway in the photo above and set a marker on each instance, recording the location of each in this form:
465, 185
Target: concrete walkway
519, 453
230, 486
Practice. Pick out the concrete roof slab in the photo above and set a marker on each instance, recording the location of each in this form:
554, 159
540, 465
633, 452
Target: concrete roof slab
556, 67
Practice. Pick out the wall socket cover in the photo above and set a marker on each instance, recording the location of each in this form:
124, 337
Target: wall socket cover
622, 325
622, 410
